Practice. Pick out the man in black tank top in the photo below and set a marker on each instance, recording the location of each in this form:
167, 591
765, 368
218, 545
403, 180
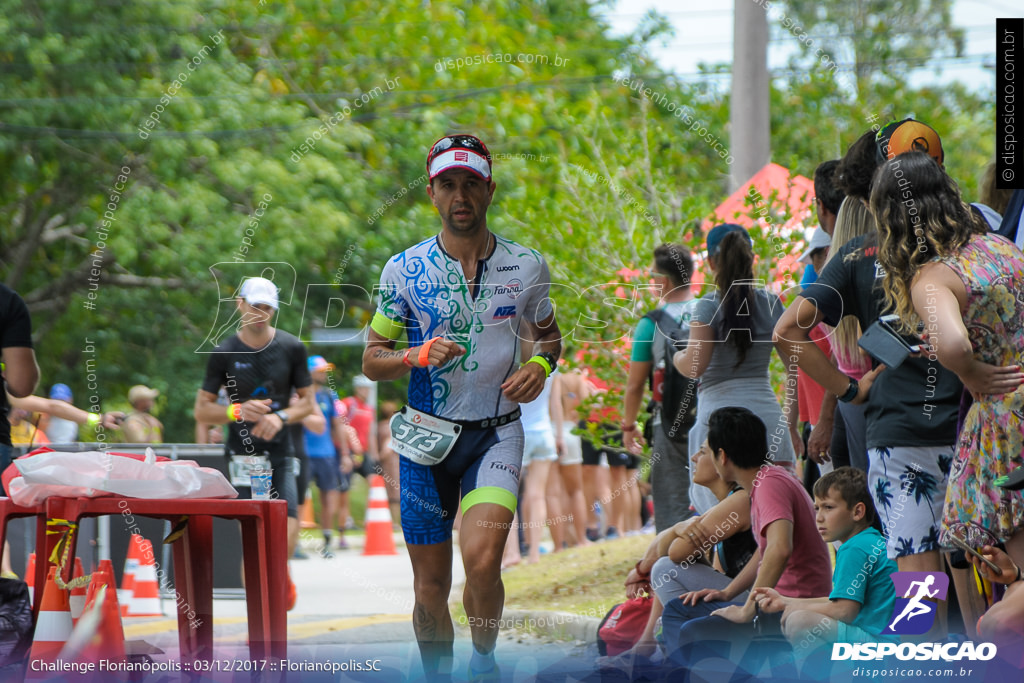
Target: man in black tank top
259, 367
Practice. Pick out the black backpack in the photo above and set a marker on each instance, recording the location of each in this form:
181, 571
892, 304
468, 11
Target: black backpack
678, 393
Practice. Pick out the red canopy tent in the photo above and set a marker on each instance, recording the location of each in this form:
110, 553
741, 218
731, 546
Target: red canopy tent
749, 206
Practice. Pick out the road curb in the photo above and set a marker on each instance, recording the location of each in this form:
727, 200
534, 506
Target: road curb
560, 625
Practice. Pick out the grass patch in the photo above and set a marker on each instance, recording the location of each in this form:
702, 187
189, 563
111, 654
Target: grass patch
357, 496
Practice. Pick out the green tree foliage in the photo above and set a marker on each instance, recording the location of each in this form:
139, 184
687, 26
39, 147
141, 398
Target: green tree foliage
879, 39
294, 133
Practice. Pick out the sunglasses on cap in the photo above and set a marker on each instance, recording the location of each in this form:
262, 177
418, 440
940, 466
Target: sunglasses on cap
469, 142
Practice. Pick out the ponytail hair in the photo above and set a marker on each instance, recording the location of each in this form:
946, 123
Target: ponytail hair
734, 274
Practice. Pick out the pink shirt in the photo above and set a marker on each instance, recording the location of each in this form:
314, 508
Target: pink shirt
809, 393
778, 495
360, 417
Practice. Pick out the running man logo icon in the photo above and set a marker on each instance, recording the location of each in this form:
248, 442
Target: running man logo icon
914, 612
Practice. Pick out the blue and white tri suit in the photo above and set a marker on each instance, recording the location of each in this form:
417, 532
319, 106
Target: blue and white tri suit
424, 292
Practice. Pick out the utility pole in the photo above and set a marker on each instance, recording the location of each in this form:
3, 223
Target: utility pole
749, 121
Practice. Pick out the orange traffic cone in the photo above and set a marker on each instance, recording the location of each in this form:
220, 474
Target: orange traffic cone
99, 634
30, 576
145, 600
77, 597
131, 564
306, 520
53, 626
103, 576
378, 520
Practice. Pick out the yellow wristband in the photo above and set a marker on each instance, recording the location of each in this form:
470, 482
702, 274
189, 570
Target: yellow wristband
539, 360
234, 412
93, 419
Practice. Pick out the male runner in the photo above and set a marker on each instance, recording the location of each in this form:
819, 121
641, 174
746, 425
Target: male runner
260, 367
465, 298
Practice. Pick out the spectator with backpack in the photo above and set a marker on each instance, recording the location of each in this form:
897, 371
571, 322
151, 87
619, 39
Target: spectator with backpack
673, 403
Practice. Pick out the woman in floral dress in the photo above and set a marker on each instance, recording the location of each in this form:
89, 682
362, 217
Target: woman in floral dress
943, 268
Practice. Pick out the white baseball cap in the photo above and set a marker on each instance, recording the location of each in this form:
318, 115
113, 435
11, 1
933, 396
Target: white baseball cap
819, 240
459, 151
259, 290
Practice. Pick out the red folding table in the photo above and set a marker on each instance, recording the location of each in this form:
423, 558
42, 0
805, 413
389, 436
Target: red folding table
264, 554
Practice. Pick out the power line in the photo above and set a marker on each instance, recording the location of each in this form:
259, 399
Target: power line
570, 82
259, 63
452, 95
445, 95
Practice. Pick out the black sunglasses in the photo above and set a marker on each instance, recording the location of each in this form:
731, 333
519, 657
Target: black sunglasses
469, 142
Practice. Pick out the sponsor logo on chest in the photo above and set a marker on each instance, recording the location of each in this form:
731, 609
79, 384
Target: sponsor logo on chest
511, 289
503, 312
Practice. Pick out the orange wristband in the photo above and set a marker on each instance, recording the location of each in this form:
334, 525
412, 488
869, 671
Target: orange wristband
424, 357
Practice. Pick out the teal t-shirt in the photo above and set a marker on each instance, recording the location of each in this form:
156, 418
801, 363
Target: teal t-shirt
862, 575
643, 337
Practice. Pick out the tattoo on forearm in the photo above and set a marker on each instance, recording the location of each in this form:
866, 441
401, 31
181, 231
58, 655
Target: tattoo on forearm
384, 354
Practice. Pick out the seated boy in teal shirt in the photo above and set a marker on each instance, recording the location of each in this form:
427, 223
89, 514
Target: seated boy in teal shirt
861, 602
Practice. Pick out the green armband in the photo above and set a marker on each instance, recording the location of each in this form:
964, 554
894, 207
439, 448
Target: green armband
541, 361
93, 419
386, 327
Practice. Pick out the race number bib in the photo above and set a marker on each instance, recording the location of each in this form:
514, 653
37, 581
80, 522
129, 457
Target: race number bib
242, 467
423, 438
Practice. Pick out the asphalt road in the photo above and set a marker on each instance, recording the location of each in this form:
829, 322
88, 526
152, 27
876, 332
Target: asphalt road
354, 612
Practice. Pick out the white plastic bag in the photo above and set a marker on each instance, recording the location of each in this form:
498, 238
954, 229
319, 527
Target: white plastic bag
97, 473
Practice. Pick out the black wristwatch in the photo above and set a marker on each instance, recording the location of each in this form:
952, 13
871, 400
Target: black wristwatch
283, 415
851, 391
551, 359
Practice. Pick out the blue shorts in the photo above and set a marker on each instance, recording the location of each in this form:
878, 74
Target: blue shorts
484, 466
324, 472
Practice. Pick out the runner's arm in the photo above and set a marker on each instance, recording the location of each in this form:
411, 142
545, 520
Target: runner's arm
546, 337
381, 362
526, 383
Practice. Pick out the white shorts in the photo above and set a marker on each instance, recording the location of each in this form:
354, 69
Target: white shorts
540, 445
909, 488
573, 454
